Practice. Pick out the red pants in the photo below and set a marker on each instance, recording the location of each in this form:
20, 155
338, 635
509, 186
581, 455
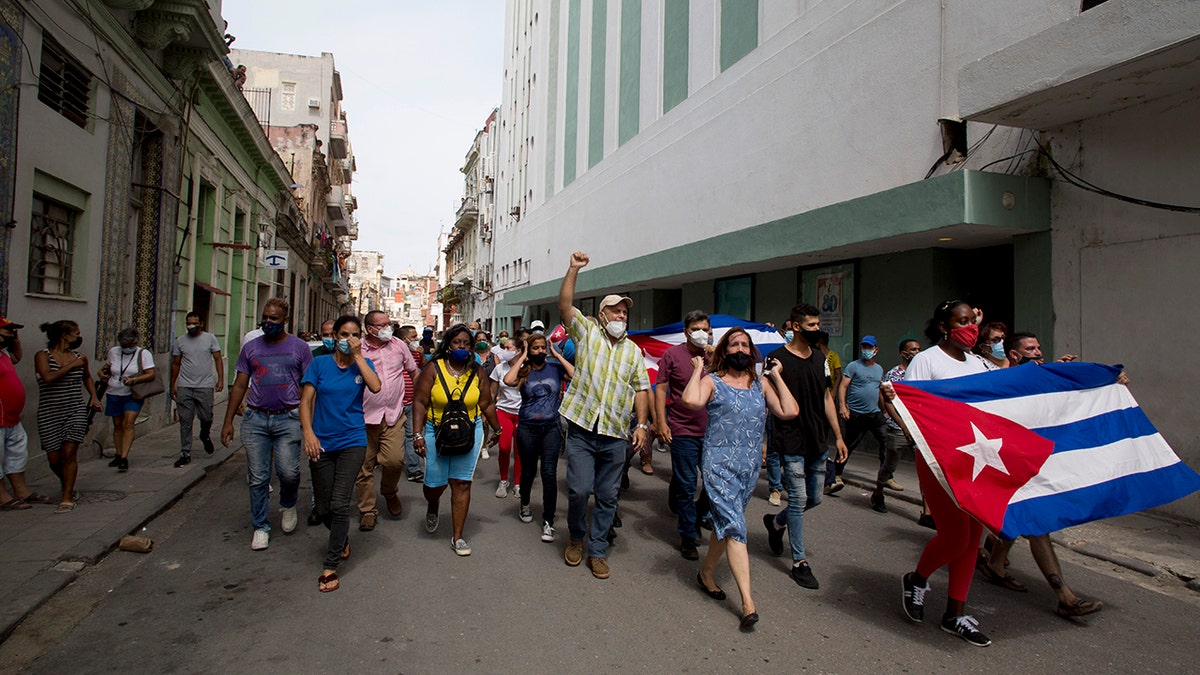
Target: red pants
957, 540
508, 425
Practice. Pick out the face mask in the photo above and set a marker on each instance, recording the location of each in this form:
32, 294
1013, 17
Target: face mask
76, 343
384, 334
329, 343
343, 346
789, 335
507, 355
868, 354
966, 336
739, 361
698, 338
998, 350
537, 359
481, 346
128, 350
1026, 359
538, 331
616, 329
459, 355
271, 329
193, 330
813, 337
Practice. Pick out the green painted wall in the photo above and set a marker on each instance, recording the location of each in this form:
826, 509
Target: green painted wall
596, 96
571, 121
675, 52
739, 30
775, 293
697, 295
552, 101
1033, 304
629, 96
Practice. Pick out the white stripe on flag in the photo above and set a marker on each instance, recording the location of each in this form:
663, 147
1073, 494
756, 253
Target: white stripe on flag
1076, 469
1058, 408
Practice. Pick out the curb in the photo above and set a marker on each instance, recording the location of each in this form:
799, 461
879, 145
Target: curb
27, 597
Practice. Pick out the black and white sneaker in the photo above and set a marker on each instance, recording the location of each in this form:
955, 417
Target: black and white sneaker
914, 598
802, 574
967, 628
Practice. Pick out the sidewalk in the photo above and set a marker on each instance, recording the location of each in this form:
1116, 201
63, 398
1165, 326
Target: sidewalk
1143, 542
41, 552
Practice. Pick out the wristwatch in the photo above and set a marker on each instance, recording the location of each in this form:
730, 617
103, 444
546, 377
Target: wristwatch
644, 425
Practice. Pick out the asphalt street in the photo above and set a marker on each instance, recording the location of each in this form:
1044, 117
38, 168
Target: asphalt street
202, 601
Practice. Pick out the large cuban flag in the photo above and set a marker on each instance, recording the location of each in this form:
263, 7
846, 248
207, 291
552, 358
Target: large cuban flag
1032, 449
656, 341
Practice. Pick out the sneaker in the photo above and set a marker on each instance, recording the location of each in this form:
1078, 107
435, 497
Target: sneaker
502, 490
287, 520
526, 514
967, 628
877, 504
802, 574
461, 547
599, 567
926, 520
483, 454
893, 485
431, 522
687, 549
416, 477
313, 518
183, 461
366, 523
574, 554
774, 534
116, 461
123, 466
776, 498
209, 448
547, 532
260, 541
835, 486
914, 598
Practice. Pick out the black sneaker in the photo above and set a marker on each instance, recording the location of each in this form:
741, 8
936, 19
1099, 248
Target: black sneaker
209, 448
802, 574
774, 534
313, 518
183, 461
416, 477
914, 598
116, 461
687, 549
616, 520
123, 466
877, 504
967, 628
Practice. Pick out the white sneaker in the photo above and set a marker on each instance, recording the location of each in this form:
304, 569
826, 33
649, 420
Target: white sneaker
288, 520
547, 532
483, 454
461, 547
776, 498
260, 541
502, 490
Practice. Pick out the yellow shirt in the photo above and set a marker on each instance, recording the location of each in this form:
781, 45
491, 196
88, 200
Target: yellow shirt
438, 397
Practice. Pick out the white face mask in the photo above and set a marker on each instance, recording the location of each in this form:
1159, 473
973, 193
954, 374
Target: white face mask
616, 329
698, 337
385, 333
507, 355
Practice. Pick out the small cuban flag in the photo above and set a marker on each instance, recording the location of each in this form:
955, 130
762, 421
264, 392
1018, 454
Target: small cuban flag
1033, 449
656, 341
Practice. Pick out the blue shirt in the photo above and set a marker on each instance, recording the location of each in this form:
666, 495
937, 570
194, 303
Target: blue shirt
540, 394
862, 396
338, 411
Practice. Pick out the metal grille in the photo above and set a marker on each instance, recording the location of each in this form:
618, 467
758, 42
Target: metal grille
63, 83
51, 247
260, 102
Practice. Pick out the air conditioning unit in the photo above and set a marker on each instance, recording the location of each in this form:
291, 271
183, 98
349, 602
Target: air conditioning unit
314, 103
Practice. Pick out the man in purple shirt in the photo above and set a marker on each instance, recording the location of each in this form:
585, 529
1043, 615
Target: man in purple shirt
683, 428
273, 363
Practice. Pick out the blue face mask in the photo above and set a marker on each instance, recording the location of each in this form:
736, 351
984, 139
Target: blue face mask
998, 350
343, 346
271, 329
329, 343
788, 335
460, 355
867, 354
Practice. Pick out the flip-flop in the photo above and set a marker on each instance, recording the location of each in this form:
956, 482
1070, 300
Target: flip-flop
346, 550
328, 582
1078, 608
65, 507
14, 505
35, 498
1006, 581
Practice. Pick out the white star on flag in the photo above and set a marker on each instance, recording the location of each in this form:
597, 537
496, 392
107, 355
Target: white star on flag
985, 451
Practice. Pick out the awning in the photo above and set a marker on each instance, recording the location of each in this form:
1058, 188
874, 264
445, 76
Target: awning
209, 288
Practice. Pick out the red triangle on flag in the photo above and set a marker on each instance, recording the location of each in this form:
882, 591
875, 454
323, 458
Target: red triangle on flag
980, 458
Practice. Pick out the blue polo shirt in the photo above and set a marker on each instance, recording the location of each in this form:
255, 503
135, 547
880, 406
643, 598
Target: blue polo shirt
338, 411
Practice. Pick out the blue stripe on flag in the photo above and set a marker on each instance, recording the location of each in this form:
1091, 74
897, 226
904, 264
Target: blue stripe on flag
1024, 380
1100, 430
1117, 497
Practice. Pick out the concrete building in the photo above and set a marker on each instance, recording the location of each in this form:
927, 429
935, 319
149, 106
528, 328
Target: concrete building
365, 275
469, 247
1033, 157
136, 184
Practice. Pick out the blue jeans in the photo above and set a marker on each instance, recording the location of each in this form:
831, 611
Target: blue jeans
271, 437
804, 475
685, 469
594, 464
539, 443
412, 461
774, 479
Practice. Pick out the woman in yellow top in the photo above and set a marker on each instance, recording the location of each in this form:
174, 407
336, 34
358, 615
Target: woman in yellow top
451, 374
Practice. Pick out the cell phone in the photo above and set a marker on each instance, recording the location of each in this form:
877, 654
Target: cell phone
769, 365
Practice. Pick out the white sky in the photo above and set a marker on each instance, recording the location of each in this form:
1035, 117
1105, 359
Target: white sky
419, 79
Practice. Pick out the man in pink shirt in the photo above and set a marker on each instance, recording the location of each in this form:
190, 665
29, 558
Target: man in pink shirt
384, 415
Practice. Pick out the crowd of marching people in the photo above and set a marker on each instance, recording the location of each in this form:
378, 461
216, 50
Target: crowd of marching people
373, 395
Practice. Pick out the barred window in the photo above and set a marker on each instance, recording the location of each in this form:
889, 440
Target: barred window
51, 247
63, 83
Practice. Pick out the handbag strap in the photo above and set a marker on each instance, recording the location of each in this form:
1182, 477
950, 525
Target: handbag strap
462, 393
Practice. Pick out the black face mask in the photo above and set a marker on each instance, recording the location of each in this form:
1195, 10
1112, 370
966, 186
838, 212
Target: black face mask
739, 361
813, 337
1026, 359
75, 344
194, 330
537, 359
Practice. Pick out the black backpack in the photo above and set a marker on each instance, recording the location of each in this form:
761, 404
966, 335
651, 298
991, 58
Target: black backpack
455, 434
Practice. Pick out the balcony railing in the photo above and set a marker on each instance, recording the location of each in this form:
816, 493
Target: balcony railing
260, 102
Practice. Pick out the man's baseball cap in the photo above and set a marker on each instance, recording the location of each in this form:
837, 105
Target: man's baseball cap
610, 300
537, 324
869, 340
5, 323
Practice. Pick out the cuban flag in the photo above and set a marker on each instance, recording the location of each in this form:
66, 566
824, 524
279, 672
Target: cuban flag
656, 341
1033, 449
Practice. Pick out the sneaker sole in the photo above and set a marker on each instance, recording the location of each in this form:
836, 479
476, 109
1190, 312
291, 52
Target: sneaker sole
835, 488
965, 639
904, 605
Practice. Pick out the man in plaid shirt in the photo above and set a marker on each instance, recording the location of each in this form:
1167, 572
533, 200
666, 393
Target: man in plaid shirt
610, 379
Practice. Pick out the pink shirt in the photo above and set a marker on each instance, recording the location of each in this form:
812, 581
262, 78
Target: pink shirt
391, 361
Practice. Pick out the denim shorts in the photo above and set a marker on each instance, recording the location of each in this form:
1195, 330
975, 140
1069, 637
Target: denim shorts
14, 449
440, 470
116, 405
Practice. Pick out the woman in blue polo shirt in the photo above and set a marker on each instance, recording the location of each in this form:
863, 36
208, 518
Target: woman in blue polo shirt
335, 435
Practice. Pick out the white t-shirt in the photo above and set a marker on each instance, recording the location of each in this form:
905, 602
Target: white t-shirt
510, 397
126, 365
936, 364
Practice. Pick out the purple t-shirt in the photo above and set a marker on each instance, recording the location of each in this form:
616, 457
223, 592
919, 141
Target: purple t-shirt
675, 369
275, 370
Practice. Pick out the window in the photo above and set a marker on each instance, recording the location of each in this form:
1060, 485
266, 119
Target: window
51, 247
287, 95
63, 83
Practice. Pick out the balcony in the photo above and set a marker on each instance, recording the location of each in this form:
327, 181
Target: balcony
349, 166
352, 232
335, 211
337, 139
467, 214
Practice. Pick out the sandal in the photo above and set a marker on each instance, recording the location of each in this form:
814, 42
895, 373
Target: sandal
1078, 608
328, 582
1006, 580
35, 498
65, 507
14, 504
346, 550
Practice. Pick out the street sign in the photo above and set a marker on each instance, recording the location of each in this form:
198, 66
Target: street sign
276, 259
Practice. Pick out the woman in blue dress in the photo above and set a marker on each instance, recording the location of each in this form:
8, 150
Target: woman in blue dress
737, 404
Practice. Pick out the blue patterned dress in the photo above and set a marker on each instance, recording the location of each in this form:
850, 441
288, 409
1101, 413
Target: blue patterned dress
733, 454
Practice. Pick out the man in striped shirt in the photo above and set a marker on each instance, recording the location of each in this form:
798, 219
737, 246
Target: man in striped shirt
610, 380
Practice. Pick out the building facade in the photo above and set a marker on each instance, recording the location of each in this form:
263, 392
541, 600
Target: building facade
872, 158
